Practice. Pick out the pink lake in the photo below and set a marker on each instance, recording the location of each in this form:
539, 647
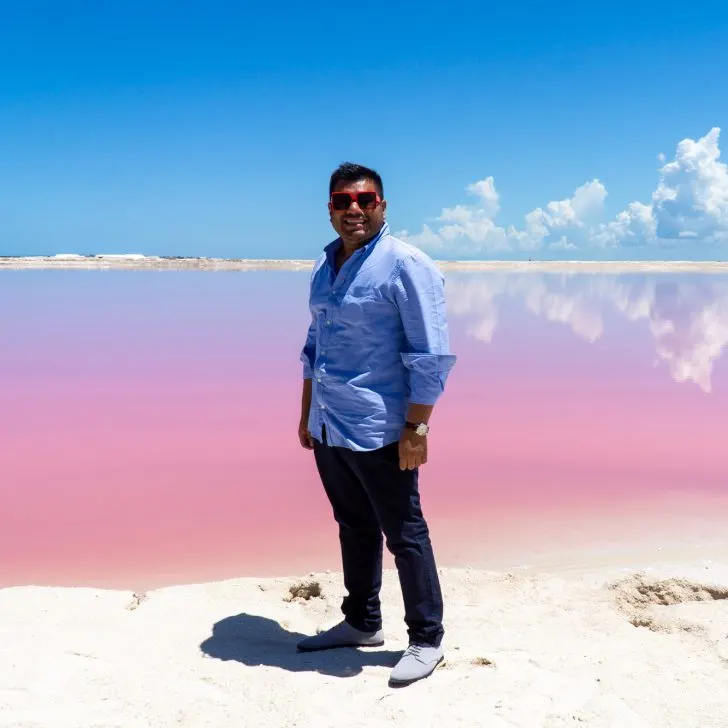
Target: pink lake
148, 424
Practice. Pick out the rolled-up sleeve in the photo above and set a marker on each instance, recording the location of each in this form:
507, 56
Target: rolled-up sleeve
308, 353
420, 296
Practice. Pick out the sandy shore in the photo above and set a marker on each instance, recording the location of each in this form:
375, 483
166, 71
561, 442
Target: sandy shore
622, 647
133, 262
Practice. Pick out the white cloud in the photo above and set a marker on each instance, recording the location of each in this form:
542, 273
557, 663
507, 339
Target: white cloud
485, 189
632, 227
691, 199
689, 204
688, 321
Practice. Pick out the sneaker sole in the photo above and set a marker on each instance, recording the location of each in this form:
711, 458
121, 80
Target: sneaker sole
338, 645
405, 683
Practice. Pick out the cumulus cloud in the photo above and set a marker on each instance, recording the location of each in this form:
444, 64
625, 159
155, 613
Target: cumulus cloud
691, 199
687, 319
689, 204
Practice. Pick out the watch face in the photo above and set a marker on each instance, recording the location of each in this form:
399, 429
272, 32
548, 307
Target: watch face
422, 429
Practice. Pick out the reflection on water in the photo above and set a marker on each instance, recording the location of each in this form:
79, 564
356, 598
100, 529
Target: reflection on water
687, 316
148, 422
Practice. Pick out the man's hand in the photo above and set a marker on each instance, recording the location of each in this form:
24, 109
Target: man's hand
412, 450
304, 436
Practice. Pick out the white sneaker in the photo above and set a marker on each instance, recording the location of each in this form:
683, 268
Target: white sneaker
342, 635
418, 661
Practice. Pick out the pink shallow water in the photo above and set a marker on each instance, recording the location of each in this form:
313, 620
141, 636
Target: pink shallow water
147, 423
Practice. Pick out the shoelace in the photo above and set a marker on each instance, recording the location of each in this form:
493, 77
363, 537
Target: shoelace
415, 650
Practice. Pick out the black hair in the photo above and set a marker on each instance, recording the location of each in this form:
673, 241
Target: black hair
349, 172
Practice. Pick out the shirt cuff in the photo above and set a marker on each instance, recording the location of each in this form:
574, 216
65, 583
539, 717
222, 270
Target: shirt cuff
307, 366
428, 374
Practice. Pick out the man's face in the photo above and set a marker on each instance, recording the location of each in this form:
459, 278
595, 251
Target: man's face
356, 224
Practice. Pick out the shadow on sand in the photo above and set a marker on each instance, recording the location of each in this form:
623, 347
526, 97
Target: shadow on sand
254, 640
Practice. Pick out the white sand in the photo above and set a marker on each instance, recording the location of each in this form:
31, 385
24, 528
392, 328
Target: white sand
142, 262
542, 650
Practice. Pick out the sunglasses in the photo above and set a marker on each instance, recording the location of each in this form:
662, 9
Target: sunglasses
367, 200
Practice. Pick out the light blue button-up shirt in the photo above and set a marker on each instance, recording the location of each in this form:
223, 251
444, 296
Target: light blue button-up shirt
378, 340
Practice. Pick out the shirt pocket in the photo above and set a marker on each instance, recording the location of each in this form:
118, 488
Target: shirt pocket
364, 307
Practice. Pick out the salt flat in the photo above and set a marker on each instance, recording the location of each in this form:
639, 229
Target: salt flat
141, 262
623, 647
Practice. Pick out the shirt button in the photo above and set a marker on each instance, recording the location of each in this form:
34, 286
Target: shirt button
318, 379
323, 406
328, 322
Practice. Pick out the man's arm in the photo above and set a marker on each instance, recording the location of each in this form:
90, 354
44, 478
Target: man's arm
308, 352
308, 358
419, 412
420, 297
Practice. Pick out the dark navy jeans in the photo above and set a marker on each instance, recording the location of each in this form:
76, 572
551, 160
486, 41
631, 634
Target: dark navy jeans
370, 495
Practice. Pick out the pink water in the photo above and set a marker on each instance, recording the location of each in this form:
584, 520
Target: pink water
148, 423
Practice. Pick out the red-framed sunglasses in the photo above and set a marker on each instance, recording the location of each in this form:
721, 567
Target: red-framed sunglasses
366, 199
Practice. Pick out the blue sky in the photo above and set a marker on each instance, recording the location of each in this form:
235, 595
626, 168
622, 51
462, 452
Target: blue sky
211, 128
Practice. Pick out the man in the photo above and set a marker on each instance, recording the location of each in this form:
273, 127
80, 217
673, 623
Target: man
375, 361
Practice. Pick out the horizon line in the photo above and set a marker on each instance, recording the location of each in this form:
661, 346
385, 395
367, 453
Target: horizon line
151, 262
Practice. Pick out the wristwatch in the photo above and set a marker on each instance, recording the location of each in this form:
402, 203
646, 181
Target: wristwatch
420, 428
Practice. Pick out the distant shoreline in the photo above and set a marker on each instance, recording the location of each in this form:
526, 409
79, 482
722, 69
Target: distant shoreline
139, 262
